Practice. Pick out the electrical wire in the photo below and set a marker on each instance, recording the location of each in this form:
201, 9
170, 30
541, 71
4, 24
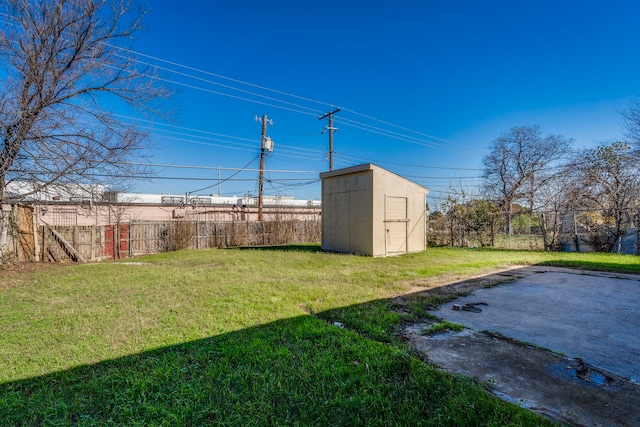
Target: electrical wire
390, 134
229, 87
156, 123
229, 145
222, 77
403, 128
254, 141
347, 122
336, 153
227, 179
159, 132
338, 118
299, 109
214, 168
229, 95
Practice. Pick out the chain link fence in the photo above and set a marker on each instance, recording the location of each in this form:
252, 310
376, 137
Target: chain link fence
571, 231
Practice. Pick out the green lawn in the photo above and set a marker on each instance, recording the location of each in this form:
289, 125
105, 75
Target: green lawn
239, 337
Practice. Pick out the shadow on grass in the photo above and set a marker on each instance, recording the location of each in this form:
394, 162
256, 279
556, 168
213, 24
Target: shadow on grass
302, 370
299, 371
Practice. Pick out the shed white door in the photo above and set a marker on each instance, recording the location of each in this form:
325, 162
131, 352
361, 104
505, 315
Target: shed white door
396, 222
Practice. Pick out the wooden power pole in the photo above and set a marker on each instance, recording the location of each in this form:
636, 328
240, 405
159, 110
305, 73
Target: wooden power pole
266, 144
331, 129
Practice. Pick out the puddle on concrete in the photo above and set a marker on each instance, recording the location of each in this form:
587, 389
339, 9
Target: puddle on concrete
586, 374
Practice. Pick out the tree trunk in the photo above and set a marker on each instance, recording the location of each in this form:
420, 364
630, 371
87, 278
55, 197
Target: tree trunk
543, 227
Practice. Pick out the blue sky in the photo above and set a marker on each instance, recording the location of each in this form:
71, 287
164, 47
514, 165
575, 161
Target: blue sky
424, 86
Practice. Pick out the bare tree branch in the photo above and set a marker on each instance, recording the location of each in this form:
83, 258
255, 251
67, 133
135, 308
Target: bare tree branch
65, 74
606, 179
631, 124
520, 163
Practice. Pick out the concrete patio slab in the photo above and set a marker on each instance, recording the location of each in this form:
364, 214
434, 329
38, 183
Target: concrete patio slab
591, 316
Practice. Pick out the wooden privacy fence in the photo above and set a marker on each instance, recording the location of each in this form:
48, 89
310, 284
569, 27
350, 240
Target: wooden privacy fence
152, 237
69, 243
113, 241
17, 240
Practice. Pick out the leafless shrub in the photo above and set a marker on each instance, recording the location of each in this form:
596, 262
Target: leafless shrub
178, 235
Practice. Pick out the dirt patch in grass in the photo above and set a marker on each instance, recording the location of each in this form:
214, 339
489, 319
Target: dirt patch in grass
447, 284
563, 389
21, 273
22, 267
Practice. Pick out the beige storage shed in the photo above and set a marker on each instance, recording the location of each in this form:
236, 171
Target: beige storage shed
371, 211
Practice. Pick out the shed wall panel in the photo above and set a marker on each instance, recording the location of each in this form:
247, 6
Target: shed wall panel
388, 186
360, 222
340, 222
346, 221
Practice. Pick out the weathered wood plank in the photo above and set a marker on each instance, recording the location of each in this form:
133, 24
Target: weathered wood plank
75, 255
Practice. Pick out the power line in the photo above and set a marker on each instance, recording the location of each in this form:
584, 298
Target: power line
209, 144
159, 177
214, 168
353, 123
227, 179
227, 86
171, 133
156, 123
390, 134
403, 128
231, 146
228, 95
291, 95
239, 146
405, 164
222, 77
251, 140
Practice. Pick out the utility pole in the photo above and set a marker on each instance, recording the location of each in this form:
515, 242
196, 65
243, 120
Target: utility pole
266, 144
331, 129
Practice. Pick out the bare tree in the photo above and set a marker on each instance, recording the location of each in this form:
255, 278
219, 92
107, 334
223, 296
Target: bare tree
455, 208
631, 124
519, 163
67, 69
606, 178
552, 206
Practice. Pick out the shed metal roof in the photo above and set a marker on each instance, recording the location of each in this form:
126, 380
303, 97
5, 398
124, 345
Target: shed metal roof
363, 168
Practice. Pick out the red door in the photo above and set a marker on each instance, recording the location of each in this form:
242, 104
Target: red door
107, 249
123, 244
112, 248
